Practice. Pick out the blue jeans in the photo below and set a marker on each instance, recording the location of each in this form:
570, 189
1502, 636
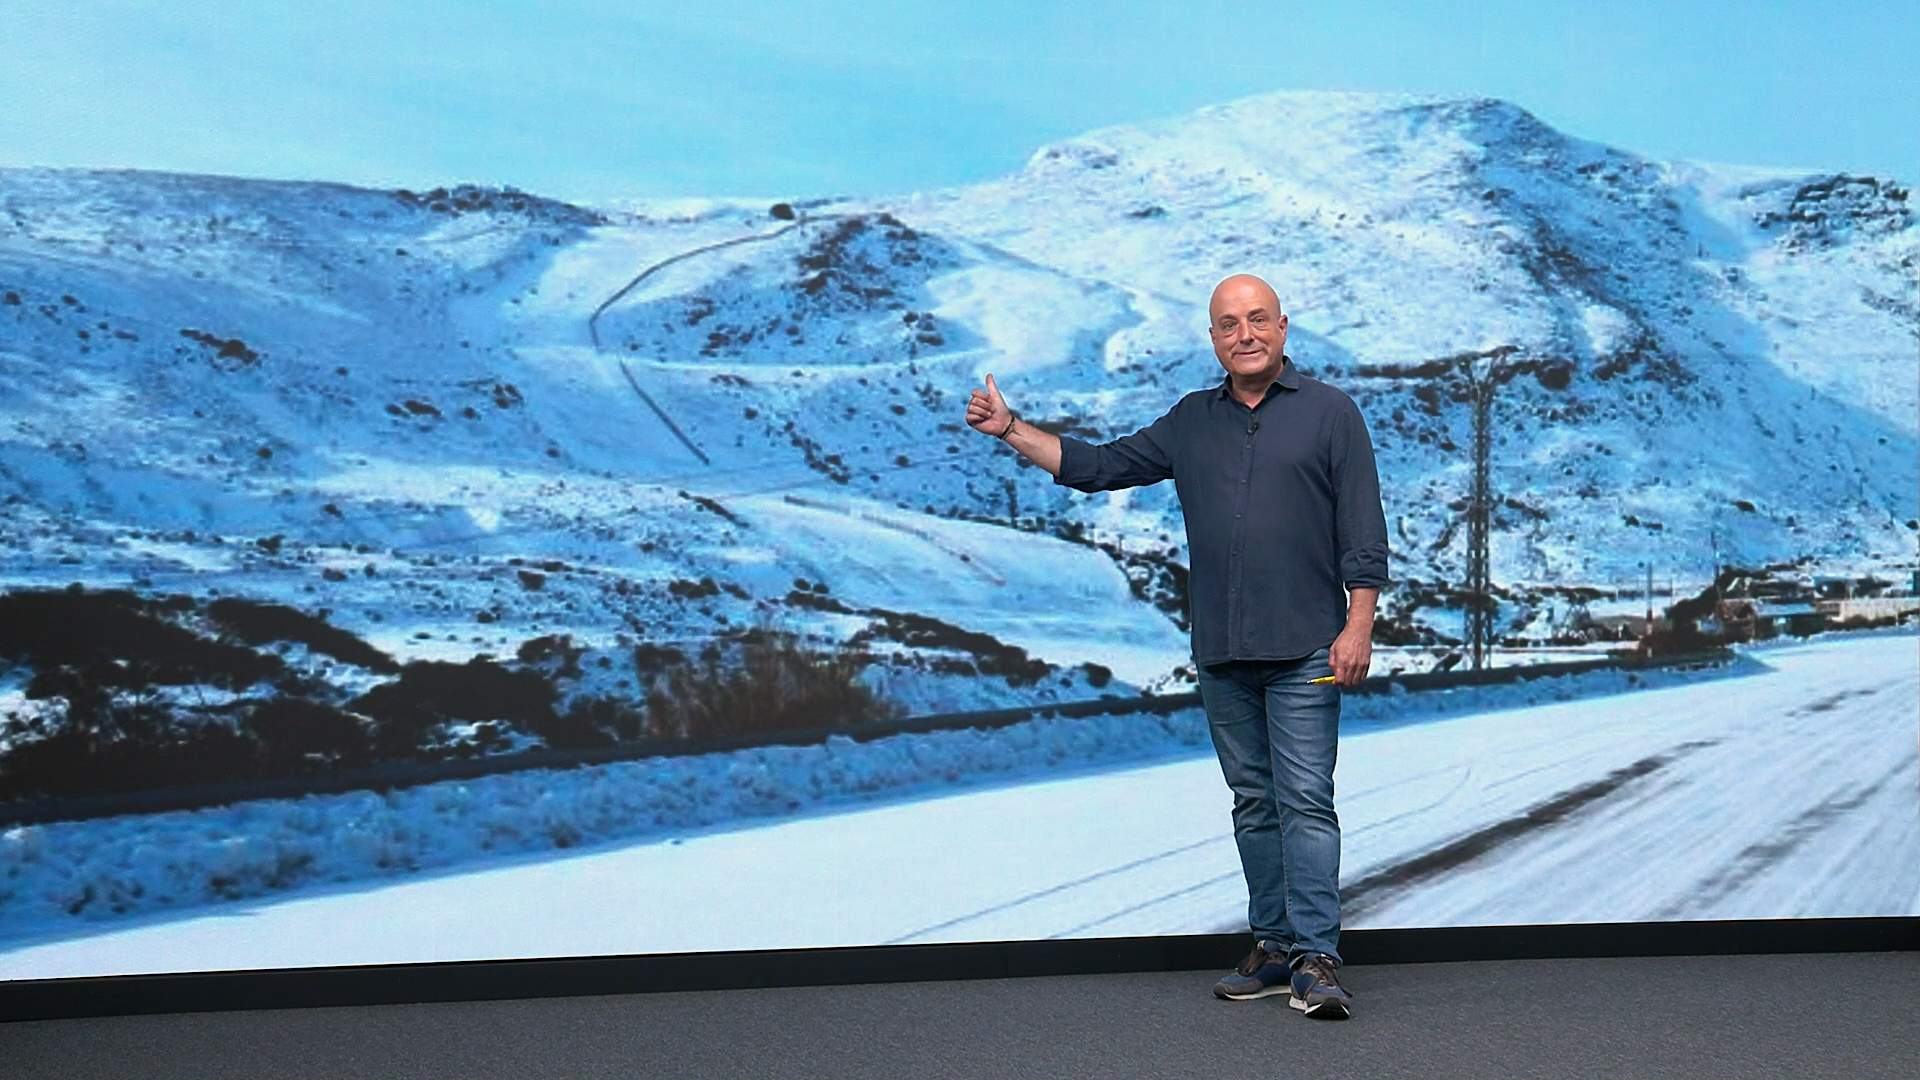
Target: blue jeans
1275, 733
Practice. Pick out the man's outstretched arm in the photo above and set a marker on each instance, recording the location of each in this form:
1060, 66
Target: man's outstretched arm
1144, 457
988, 413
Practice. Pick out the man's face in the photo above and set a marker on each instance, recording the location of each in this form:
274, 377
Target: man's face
1248, 328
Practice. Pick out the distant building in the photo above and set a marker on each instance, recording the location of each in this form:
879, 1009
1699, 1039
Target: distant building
1799, 618
1619, 627
1736, 618
1869, 609
1742, 618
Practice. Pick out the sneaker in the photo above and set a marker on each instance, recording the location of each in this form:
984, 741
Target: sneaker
1317, 990
1263, 973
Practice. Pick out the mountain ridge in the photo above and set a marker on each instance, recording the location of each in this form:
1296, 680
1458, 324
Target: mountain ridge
197, 364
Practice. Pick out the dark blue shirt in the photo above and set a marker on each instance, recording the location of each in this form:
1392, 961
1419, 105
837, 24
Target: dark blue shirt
1282, 503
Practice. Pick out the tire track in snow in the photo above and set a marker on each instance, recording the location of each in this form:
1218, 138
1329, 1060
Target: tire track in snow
1375, 889
1057, 889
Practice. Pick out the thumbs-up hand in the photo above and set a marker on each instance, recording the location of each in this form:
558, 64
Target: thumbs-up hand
987, 411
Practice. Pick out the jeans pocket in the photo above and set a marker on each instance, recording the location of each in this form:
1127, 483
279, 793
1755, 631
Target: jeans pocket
1320, 664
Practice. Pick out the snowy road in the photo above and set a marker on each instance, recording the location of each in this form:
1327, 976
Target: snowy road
1791, 792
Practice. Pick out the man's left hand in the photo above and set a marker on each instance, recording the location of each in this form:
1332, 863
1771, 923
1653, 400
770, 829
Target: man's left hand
1351, 655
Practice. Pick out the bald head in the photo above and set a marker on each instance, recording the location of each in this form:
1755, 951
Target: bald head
1242, 287
1249, 331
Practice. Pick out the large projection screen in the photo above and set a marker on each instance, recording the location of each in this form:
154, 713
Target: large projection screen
490, 481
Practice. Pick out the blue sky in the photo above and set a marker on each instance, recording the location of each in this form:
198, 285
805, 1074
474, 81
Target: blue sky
592, 100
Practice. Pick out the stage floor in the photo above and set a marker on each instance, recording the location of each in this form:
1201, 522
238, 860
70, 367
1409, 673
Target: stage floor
1727, 1016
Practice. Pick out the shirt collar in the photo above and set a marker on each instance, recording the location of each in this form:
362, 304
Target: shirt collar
1289, 377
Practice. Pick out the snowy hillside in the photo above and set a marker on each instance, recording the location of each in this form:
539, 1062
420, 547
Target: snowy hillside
1684, 351
458, 420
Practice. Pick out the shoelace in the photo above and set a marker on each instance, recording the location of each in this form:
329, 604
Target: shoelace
1321, 970
1256, 960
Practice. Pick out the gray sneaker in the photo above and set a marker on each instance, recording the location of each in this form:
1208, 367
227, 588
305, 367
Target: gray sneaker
1317, 990
1263, 973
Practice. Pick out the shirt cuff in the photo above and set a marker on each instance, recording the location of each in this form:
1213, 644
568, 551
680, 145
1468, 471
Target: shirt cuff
1364, 571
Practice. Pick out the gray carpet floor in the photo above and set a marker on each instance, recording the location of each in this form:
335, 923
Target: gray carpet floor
1846, 1015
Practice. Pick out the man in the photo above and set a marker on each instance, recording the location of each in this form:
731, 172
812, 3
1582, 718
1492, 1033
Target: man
1288, 550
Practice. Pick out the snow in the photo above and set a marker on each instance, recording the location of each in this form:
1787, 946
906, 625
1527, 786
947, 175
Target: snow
1786, 791
1755, 362
424, 413
1031, 596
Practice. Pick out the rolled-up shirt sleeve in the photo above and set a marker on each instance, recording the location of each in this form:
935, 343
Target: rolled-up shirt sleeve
1144, 457
1360, 523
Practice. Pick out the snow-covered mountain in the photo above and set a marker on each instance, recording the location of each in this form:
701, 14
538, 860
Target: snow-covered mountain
1686, 352
457, 420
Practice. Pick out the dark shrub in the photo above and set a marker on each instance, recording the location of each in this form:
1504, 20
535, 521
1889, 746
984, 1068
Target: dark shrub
555, 654
114, 638
576, 728
621, 719
294, 732
771, 686
73, 761
257, 622
430, 692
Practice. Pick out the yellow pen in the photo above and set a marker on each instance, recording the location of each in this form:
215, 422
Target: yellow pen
1322, 679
